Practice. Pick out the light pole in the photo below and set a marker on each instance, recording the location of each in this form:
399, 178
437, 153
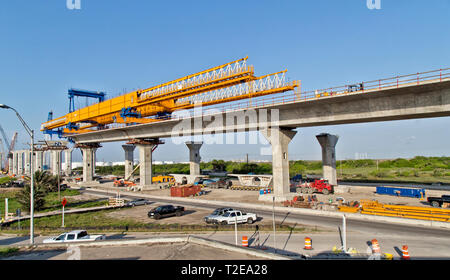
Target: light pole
31, 133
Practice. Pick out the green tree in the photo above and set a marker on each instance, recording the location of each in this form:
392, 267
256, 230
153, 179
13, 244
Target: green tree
46, 180
23, 197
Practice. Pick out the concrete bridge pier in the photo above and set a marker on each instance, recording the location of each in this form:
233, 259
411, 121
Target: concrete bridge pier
280, 138
39, 161
56, 162
15, 162
10, 165
146, 168
129, 159
27, 159
328, 143
88, 152
194, 157
68, 161
20, 162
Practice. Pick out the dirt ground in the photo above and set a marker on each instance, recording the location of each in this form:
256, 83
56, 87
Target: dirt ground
348, 193
195, 215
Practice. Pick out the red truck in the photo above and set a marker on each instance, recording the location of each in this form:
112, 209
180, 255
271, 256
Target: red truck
320, 186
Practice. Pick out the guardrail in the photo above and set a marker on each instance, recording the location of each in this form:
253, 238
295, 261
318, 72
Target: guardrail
358, 88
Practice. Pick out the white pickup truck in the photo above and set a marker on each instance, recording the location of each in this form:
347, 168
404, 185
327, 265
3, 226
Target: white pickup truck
74, 236
235, 216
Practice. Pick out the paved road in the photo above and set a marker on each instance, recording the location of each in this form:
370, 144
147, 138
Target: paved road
286, 243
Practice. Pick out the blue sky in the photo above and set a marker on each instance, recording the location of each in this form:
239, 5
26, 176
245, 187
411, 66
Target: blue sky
120, 45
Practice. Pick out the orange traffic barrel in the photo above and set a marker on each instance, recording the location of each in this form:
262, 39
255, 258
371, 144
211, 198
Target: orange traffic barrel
375, 247
405, 253
245, 241
308, 243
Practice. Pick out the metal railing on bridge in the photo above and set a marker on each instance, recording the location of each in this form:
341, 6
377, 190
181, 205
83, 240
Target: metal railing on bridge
399, 81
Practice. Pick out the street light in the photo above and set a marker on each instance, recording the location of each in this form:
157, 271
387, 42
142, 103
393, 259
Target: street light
31, 133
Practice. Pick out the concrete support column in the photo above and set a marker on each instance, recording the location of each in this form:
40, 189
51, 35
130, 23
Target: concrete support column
15, 162
328, 143
129, 159
280, 138
19, 162
39, 161
56, 162
88, 164
10, 165
145, 159
194, 157
68, 161
27, 159
47, 160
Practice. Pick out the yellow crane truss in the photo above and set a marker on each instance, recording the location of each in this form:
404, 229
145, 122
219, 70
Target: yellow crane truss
228, 82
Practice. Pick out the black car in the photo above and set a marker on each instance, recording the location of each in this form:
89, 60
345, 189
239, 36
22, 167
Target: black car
165, 211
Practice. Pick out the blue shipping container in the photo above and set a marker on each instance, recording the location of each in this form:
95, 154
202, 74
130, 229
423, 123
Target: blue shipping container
401, 192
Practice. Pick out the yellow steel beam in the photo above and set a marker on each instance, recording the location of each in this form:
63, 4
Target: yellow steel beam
105, 112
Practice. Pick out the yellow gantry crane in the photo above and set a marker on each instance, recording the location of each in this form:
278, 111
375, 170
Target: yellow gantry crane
225, 83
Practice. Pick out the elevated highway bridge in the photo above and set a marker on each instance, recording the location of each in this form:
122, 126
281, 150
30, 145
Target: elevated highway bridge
423, 95
419, 95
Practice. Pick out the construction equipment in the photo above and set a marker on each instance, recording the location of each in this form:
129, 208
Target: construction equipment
400, 191
228, 82
403, 211
300, 202
321, 186
9, 146
184, 190
2, 156
163, 179
123, 183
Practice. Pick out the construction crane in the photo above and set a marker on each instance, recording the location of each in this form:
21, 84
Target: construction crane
225, 83
2, 155
9, 147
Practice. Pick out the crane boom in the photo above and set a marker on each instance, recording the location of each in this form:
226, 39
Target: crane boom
9, 147
4, 136
224, 83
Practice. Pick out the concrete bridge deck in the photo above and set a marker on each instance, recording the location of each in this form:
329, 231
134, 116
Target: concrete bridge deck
407, 101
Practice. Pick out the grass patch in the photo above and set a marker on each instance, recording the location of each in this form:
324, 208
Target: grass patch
12, 203
4, 180
52, 202
6, 251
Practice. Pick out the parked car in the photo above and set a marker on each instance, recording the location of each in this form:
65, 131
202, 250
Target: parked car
438, 201
138, 202
216, 213
75, 236
165, 211
235, 216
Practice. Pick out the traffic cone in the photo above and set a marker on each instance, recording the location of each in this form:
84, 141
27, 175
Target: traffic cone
308, 243
245, 241
375, 247
405, 253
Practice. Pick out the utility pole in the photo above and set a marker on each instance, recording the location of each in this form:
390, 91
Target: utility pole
31, 133
344, 238
235, 230
274, 231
